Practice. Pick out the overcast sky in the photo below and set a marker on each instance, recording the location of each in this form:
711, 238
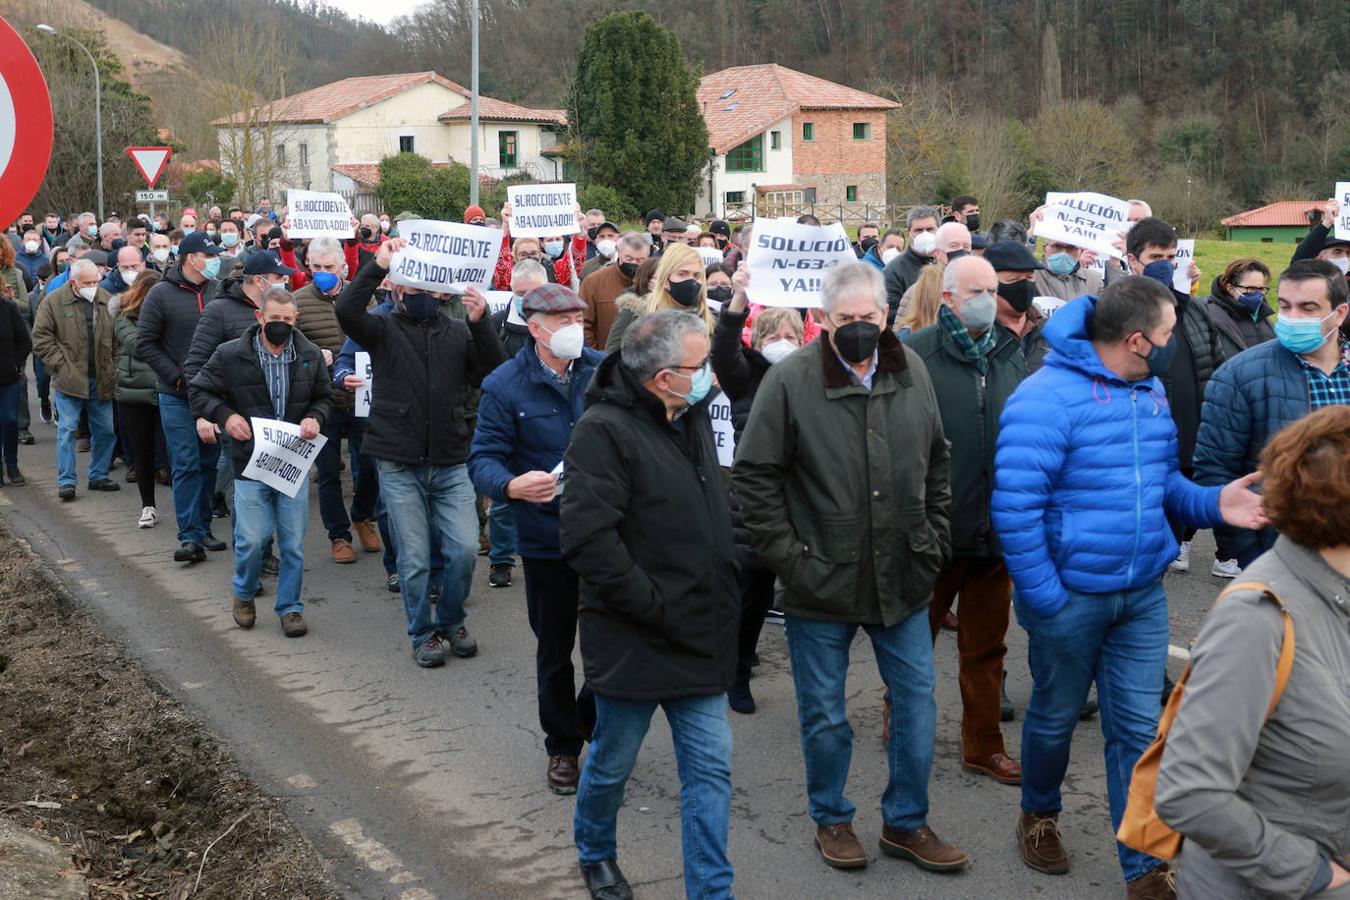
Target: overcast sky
382, 11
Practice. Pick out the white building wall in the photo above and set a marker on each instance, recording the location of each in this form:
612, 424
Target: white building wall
371, 134
777, 170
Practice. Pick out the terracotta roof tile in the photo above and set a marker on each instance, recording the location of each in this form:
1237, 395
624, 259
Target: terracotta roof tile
368, 174
1279, 213
740, 102
327, 102
491, 109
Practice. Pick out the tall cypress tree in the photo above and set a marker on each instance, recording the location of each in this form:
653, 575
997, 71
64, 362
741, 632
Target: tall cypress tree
635, 114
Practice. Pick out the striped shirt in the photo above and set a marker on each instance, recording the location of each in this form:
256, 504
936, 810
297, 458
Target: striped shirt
276, 372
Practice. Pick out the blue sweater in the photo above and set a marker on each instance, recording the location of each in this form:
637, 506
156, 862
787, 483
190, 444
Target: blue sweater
1086, 474
525, 420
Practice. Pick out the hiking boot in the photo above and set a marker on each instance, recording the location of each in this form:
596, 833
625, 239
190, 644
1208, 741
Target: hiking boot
923, 848
343, 552
66, 492
563, 774
163, 477
293, 624
840, 847
189, 551
1156, 885
604, 881
271, 565
500, 576
1006, 711
739, 697
1041, 843
391, 584
26, 437
15, 476
369, 535
1225, 568
999, 766
245, 613
462, 643
104, 484
149, 517
219, 509
1183, 561
82, 445
213, 543
430, 653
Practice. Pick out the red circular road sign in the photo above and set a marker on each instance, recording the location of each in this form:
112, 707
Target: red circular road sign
25, 125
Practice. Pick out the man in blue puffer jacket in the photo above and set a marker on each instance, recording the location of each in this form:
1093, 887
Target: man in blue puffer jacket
1085, 477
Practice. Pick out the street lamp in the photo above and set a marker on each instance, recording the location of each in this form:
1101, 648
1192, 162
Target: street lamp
98, 110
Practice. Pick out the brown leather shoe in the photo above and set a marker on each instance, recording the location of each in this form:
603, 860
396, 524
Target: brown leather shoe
1041, 843
368, 535
840, 847
244, 613
923, 848
563, 774
999, 766
343, 552
1156, 885
294, 625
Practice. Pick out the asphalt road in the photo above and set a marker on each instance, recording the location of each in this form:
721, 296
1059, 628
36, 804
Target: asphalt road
420, 784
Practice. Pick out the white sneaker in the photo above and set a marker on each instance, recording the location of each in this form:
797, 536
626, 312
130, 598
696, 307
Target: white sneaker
1183, 561
149, 517
1226, 568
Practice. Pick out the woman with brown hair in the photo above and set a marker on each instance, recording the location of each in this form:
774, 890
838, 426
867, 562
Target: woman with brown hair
1260, 794
1237, 306
136, 398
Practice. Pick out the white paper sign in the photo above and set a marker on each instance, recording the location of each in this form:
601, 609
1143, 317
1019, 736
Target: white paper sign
363, 393
281, 457
1343, 217
542, 210
1048, 306
724, 432
318, 214
789, 261
711, 256
445, 256
1085, 219
1181, 278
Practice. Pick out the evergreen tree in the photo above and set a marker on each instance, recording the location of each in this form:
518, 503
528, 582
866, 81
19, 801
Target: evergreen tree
635, 114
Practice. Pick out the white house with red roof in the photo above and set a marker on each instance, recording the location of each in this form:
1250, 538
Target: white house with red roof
332, 137
783, 139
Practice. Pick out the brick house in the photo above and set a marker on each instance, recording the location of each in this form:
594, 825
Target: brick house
782, 139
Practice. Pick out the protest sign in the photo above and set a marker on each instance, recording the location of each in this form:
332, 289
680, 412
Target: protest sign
542, 210
363, 394
498, 301
1181, 275
711, 256
281, 457
445, 256
318, 214
1085, 219
724, 431
788, 261
1047, 306
1343, 217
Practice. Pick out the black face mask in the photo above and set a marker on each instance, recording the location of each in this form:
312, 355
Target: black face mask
973, 221
592, 232
857, 341
687, 292
1018, 295
365, 233
867, 243
721, 294
628, 270
277, 333
422, 307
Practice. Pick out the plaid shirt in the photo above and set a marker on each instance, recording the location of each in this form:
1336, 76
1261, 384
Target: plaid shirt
1328, 390
276, 372
564, 378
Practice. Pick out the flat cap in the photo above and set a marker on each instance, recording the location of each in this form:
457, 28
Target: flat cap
551, 298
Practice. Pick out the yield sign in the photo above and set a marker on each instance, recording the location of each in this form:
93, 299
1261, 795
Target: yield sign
150, 161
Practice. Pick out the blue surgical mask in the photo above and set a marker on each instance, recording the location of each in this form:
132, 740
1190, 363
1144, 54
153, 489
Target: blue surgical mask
699, 384
229, 239
212, 267
1061, 263
1253, 302
554, 249
326, 282
1301, 335
91, 230
173, 248
1161, 271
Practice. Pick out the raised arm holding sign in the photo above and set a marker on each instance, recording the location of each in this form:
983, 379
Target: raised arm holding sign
445, 256
1343, 214
787, 261
317, 214
542, 210
1087, 220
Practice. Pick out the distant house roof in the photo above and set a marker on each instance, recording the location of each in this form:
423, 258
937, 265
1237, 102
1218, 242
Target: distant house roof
327, 102
492, 110
740, 102
1280, 213
367, 174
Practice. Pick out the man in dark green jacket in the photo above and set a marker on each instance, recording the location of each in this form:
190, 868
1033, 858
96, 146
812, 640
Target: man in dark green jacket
842, 473
975, 364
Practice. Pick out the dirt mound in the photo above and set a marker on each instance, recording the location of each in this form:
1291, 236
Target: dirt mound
97, 756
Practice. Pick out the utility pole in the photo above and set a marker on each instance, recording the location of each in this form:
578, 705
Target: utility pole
98, 101
473, 113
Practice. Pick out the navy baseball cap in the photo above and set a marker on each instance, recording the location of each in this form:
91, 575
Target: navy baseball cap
198, 242
265, 262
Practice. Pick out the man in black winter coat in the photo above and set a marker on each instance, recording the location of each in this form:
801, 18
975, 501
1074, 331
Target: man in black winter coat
271, 372
645, 524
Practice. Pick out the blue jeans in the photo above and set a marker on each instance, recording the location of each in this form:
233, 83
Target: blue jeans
365, 474
10, 396
1120, 641
194, 468
260, 509
501, 534
819, 655
100, 429
702, 737
422, 501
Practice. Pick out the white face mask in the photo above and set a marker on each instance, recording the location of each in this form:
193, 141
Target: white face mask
924, 243
128, 276
606, 248
30, 246
889, 254
89, 293
776, 351
566, 342
1341, 262
160, 254
384, 224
